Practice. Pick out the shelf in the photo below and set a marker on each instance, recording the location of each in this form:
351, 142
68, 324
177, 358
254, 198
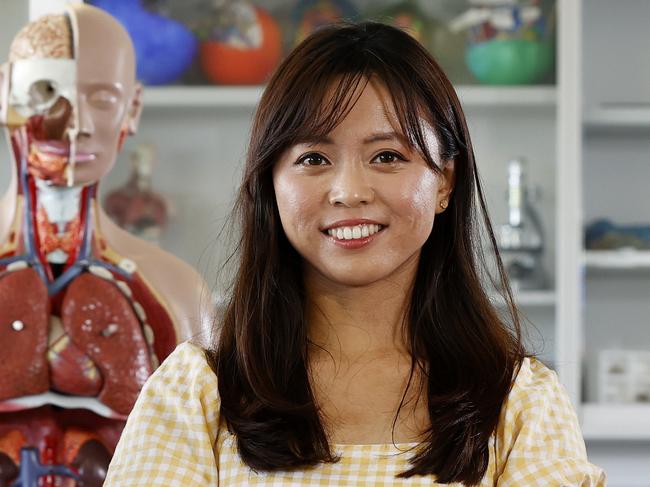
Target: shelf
618, 117
605, 421
529, 298
624, 259
202, 96
508, 96
248, 96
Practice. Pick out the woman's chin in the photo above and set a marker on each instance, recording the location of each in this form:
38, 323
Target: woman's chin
354, 278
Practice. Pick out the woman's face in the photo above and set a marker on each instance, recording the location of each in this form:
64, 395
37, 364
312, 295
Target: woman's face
363, 171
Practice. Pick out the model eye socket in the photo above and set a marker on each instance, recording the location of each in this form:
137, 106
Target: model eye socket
43, 94
102, 99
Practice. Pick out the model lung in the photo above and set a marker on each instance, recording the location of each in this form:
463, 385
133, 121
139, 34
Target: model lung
24, 317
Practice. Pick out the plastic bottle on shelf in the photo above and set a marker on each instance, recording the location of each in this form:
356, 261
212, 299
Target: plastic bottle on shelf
521, 240
136, 207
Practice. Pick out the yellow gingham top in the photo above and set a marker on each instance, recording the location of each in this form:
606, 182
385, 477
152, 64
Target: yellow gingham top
173, 437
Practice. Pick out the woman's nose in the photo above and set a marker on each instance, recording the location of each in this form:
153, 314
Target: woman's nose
350, 187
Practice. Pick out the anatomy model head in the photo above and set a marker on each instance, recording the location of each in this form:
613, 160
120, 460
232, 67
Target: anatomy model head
68, 95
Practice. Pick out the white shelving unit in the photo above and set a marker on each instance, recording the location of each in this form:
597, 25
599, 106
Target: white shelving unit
530, 299
248, 96
613, 309
616, 422
201, 96
568, 327
201, 135
624, 260
619, 117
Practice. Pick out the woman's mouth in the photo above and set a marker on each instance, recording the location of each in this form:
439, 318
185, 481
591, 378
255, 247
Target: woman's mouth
354, 237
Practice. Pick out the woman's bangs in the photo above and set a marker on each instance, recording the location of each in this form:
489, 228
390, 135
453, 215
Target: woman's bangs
411, 113
325, 107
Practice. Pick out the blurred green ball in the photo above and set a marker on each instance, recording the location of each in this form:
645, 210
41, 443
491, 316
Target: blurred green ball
509, 61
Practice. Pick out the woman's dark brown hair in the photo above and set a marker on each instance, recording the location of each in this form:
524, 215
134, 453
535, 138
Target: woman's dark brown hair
468, 353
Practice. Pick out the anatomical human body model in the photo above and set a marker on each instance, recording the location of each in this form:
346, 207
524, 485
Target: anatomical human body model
87, 311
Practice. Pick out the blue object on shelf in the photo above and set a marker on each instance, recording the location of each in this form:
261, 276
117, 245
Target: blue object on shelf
602, 234
164, 48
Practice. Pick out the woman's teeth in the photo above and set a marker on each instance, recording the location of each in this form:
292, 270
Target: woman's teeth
358, 231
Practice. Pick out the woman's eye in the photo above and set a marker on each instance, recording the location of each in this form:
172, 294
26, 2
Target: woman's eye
312, 160
389, 157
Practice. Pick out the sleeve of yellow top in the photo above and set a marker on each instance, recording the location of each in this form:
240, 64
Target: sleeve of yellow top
169, 434
539, 442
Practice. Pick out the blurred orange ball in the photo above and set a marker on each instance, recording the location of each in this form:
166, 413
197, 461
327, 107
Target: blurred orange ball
230, 64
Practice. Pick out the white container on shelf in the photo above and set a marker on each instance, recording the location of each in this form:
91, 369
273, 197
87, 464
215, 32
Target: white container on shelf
624, 376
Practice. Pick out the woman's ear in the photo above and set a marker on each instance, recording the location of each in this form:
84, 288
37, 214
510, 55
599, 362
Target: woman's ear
446, 186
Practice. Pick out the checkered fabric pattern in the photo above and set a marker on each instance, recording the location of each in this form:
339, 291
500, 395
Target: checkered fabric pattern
173, 438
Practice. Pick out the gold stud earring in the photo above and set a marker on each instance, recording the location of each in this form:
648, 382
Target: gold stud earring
443, 204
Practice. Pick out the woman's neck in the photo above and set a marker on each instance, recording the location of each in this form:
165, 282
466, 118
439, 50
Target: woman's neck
352, 321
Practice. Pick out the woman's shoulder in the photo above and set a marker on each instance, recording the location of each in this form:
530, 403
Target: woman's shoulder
185, 355
187, 352
535, 388
538, 437
538, 409
174, 424
184, 371
533, 374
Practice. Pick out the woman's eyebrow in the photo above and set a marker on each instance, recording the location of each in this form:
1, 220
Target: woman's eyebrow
381, 136
376, 137
314, 140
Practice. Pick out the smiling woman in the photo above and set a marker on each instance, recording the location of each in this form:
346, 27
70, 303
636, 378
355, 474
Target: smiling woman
364, 171
358, 345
